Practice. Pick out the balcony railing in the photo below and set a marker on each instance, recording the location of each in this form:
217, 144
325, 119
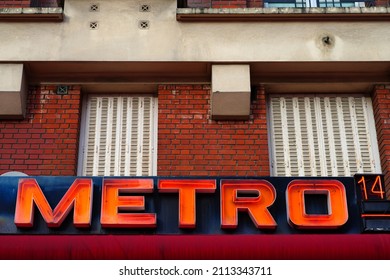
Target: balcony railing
283, 10
218, 4
32, 10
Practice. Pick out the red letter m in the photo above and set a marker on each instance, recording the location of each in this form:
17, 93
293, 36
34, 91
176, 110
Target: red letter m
78, 196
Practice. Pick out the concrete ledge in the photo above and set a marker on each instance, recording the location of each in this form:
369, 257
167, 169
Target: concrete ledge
32, 14
231, 91
13, 91
284, 14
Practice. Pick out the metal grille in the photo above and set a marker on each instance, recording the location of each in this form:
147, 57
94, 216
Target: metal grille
93, 25
145, 8
94, 7
143, 24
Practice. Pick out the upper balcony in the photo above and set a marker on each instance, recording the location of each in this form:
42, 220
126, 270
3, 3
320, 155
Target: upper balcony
283, 10
31, 10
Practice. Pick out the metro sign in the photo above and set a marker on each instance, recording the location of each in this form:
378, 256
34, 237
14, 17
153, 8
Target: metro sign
190, 205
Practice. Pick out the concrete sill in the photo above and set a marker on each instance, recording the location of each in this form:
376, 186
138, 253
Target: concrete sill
31, 14
284, 14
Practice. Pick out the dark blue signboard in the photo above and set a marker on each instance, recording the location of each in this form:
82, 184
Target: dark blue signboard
165, 205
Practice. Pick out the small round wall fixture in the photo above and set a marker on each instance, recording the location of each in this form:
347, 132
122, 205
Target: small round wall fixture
14, 173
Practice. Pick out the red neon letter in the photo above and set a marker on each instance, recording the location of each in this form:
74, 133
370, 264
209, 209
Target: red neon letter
79, 195
256, 206
187, 190
112, 203
337, 204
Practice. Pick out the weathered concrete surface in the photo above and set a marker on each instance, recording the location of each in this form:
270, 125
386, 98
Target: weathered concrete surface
118, 38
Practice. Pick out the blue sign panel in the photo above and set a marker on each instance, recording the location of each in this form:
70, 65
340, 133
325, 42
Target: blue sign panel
182, 205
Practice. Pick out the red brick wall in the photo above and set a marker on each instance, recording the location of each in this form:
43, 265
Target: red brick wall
228, 3
46, 141
45, 3
255, 3
190, 144
198, 3
381, 104
382, 3
28, 3
14, 3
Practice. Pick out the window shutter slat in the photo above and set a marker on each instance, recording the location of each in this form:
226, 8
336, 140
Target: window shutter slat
140, 132
343, 138
147, 140
129, 121
330, 136
118, 113
320, 140
355, 135
285, 135
298, 136
109, 132
310, 136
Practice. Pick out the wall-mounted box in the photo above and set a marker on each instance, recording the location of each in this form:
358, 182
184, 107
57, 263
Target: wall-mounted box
13, 91
231, 92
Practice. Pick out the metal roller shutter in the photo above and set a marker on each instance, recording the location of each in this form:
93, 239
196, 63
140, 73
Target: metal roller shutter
322, 136
119, 138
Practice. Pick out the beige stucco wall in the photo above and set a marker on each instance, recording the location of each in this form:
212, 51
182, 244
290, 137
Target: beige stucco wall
118, 37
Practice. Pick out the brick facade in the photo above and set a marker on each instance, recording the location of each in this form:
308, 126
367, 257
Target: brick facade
46, 3
15, 3
29, 3
228, 4
381, 104
255, 4
190, 144
198, 3
46, 141
382, 3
